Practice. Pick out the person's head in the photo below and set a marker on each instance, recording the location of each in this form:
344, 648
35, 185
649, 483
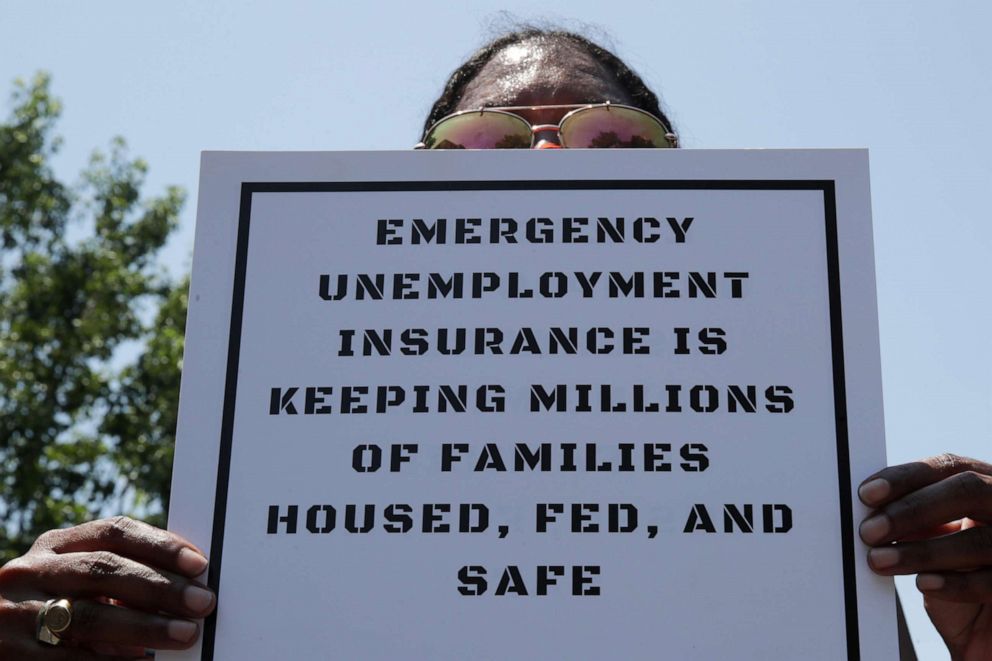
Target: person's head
533, 67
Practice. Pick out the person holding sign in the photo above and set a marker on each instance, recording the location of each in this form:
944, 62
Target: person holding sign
111, 589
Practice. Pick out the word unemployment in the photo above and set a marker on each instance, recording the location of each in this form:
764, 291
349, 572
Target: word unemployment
549, 284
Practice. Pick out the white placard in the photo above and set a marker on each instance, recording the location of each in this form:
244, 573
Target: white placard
570, 405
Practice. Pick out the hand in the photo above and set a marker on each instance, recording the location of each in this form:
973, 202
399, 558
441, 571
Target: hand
933, 518
130, 585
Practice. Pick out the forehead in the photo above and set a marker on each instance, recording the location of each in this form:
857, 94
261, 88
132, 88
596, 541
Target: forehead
538, 72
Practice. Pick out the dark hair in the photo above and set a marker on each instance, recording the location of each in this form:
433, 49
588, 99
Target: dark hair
640, 95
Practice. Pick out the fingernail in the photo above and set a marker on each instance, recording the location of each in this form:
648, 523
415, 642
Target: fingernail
181, 630
883, 558
191, 563
198, 599
930, 581
874, 491
875, 529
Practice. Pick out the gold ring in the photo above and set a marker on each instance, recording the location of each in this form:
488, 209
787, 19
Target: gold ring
54, 618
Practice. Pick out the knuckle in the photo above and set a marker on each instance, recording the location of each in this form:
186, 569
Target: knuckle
102, 564
948, 462
15, 570
46, 539
124, 531
118, 528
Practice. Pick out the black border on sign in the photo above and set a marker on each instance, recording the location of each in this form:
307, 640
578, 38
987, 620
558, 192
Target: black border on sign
248, 189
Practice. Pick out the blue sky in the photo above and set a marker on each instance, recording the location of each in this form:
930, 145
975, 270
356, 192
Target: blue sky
908, 80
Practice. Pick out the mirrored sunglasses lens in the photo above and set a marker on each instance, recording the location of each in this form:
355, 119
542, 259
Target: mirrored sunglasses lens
474, 130
603, 127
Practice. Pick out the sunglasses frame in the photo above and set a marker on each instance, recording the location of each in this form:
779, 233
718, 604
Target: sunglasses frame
670, 136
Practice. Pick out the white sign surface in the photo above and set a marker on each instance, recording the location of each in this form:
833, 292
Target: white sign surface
581, 404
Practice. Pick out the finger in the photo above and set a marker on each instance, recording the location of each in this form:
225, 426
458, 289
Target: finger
967, 550
32, 649
93, 622
17, 620
970, 587
967, 494
126, 651
101, 575
62, 653
895, 482
18, 638
134, 539
936, 531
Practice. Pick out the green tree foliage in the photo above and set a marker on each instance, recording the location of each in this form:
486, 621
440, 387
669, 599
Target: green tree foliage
143, 409
82, 428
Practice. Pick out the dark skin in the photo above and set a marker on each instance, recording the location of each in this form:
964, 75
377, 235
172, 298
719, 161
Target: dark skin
935, 511
932, 518
133, 588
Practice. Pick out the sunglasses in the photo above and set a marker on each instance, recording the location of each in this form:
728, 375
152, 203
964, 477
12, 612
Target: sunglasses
600, 125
